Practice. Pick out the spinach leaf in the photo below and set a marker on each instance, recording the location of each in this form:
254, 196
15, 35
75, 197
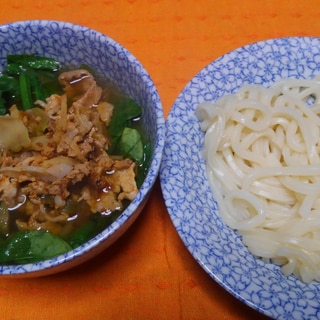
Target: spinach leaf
9, 91
27, 79
82, 235
32, 246
144, 166
124, 111
91, 228
25, 91
20, 62
131, 145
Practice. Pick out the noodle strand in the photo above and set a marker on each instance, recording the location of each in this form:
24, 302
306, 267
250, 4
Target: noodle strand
262, 153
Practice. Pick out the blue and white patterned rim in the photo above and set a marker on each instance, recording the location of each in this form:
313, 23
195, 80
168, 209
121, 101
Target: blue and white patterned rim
191, 205
73, 45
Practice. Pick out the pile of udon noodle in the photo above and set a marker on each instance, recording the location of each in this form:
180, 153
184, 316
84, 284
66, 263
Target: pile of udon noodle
262, 151
56, 148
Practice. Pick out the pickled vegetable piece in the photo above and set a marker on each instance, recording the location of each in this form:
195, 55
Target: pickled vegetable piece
14, 134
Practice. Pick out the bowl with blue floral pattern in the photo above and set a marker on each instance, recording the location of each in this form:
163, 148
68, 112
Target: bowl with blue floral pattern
101, 85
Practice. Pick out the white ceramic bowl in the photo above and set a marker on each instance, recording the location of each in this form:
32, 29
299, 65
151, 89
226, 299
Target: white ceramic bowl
74, 45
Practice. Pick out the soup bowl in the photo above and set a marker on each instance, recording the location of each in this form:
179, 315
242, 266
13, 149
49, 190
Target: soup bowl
72, 44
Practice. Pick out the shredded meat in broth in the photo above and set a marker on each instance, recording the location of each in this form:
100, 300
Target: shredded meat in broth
56, 153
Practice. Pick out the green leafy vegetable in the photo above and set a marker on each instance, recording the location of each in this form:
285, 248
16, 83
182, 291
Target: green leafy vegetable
26, 79
143, 167
83, 234
32, 246
131, 145
9, 91
21, 62
127, 138
25, 91
124, 111
91, 228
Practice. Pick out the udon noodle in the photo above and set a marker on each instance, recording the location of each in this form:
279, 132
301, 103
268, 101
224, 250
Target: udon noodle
262, 152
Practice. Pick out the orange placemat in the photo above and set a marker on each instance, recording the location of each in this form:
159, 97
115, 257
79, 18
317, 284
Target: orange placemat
148, 273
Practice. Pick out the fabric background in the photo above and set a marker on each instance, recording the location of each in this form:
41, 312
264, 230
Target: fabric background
148, 273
